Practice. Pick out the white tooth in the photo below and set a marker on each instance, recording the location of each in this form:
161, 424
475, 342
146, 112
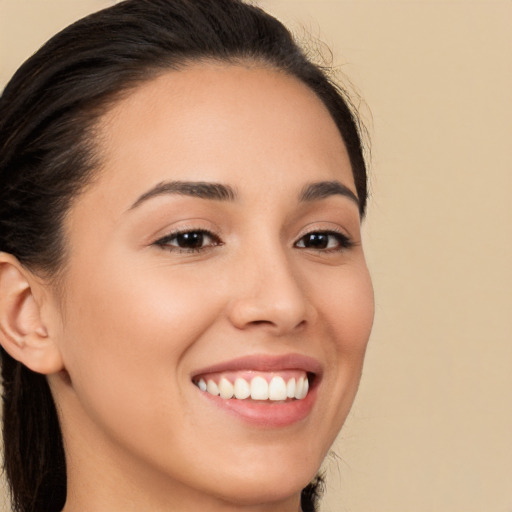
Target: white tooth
212, 388
259, 389
242, 389
290, 388
305, 388
277, 389
202, 385
225, 388
298, 387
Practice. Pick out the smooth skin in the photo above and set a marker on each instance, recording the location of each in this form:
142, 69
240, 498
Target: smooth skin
139, 309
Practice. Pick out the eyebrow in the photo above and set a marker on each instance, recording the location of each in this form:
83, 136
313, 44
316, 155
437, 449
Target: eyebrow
200, 189
219, 192
324, 189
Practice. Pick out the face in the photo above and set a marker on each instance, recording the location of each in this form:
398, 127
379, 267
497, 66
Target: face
220, 247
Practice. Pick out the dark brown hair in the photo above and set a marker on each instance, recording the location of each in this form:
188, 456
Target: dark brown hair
48, 114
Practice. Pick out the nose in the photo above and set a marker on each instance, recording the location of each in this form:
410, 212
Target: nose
270, 295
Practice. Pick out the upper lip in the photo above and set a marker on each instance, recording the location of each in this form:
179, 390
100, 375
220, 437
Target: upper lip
265, 363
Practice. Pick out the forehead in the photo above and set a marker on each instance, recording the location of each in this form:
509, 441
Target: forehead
243, 116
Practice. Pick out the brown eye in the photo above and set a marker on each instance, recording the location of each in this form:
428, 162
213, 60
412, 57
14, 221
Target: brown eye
316, 240
324, 240
193, 240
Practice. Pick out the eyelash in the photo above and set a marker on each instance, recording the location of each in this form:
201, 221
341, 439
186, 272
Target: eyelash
343, 242
165, 242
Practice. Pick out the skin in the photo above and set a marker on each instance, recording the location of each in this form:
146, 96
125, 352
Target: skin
133, 320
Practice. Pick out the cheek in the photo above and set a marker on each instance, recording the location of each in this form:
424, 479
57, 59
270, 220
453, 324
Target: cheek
140, 307
346, 303
347, 307
138, 324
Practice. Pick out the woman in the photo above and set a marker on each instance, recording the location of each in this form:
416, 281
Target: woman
185, 303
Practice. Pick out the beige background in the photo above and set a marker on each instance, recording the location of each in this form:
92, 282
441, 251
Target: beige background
431, 430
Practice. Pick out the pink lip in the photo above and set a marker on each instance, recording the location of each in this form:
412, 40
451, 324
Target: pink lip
265, 363
267, 413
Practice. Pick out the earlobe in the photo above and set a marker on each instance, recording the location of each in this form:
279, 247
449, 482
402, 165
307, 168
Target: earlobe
23, 334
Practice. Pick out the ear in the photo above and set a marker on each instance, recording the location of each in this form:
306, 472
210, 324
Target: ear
23, 334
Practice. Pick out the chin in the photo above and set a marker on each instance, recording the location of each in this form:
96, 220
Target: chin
274, 479
247, 492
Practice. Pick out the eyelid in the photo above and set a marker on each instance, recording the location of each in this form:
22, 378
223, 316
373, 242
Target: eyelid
324, 227
184, 225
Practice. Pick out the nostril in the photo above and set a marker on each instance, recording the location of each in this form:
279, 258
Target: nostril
261, 322
276, 325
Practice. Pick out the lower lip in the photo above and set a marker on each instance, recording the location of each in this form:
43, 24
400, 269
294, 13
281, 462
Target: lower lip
266, 413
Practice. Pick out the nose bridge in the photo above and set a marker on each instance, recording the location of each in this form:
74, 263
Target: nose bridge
270, 291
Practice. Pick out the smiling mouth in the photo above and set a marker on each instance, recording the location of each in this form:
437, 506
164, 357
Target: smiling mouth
287, 385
